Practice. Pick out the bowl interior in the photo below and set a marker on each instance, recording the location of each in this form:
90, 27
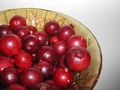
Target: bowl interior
38, 17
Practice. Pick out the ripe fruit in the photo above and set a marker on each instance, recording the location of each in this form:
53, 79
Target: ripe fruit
4, 58
40, 60
44, 68
78, 59
63, 77
30, 78
10, 45
23, 60
46, 53
52, 27
9, 76
4, 30
76, 41
42, 37
22, 31
5, 63
53, 39
60, 47
32, 29
16, 21
66, 32
16, 87
30, 44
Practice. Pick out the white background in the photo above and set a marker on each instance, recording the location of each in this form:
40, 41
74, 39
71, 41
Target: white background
102, 17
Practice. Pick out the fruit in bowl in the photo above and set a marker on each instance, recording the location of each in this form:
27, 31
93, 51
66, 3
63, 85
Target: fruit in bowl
47, 53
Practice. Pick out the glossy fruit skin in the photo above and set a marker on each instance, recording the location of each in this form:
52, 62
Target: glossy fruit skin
5, 63
9, 76
78, 59
4, 30
66, 32
46, 53
22, 31
55, 53
23, 60
53, 39
32, 29
60, 47
16, 87
16, 21
44, 68
10, 45
52, 27
30, 44
63, 77
30, 78
5, 58
42, 37
76, 41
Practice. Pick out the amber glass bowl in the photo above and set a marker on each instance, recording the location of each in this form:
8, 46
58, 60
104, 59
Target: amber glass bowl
38, 17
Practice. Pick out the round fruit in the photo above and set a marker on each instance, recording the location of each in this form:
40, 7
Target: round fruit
32, 29
44, 68
78, 59
63, 77
53, 39
76, 41
4, 30
16, 21
9, 76
30, 78
22, 31
5, 63
66, 32
16, 87
46, 53
30, 44
60, 47
10, 45
42, 37
40, 60
52, 27
23, 60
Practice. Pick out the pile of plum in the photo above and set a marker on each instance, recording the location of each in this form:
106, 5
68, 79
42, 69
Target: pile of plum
40, 60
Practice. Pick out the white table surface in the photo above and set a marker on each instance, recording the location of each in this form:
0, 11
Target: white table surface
102, 17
